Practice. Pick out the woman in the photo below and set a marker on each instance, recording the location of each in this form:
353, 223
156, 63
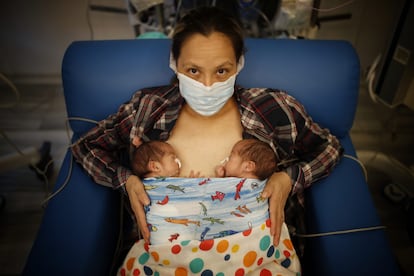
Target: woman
205, 114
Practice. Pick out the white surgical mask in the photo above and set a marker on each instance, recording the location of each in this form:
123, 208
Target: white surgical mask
206, 100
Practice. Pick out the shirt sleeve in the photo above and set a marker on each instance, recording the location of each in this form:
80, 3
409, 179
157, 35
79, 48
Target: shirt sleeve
317, 150
98, 151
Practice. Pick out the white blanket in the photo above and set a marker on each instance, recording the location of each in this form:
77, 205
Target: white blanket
213, 226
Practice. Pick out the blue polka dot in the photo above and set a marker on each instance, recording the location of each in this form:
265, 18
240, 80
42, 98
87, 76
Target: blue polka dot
286, 263
148, 270
270, 251
227, 257
208, 272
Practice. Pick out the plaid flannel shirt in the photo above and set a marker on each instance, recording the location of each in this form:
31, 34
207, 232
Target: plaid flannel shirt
306, 151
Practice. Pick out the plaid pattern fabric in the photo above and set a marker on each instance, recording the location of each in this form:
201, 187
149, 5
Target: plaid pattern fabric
307, 152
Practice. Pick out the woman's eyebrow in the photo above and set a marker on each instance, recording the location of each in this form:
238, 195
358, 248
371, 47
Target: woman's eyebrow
224, 64
190, 64
193, 65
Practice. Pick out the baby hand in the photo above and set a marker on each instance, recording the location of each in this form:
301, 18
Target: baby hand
136, 141
194, 174
220, 171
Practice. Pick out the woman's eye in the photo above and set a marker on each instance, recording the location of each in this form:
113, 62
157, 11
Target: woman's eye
193, 71
221, 72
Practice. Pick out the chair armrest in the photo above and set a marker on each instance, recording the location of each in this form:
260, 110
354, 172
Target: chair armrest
342, 201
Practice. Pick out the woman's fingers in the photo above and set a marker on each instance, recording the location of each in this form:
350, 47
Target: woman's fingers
277, 219
138, 199
277, 190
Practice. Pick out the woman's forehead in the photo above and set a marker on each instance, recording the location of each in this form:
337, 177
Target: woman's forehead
215, 48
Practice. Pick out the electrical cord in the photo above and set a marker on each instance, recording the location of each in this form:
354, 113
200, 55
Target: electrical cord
360, 163
14, 89
341, 232
43, 173
89, 20
334, 8
66, 181
371, 77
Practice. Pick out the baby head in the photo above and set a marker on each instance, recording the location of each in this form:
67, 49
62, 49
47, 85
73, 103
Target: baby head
251, 158
155, 159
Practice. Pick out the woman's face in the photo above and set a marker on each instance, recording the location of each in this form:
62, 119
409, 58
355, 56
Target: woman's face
207, 59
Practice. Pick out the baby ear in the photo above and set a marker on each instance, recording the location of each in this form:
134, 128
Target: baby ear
249, 166
154, 166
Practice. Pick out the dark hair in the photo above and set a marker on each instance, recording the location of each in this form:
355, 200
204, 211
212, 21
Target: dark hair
206, 20
146, 152
260, 153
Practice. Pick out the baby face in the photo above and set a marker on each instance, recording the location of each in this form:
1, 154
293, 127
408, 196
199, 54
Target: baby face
170, 164
234, 163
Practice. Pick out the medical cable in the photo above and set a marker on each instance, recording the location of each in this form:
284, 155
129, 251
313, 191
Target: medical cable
39, 171
15, 91
340, 232
360, 163
65, 182
69, 174
334, 8
370, 77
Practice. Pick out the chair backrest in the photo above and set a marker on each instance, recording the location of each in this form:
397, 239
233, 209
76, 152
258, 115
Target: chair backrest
98, 76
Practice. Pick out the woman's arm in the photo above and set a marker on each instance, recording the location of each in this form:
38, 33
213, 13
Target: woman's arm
98, 151
317, 150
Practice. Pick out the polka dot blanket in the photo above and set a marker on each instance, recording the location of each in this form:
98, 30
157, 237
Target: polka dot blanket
209, 226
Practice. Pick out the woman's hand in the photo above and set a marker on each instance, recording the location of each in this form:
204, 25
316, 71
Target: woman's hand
277, 190
138, 199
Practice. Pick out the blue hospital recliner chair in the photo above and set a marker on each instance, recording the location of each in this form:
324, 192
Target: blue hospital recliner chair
81, 224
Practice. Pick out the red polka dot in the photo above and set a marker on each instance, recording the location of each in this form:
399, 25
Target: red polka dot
176, 249
268, 223
136, 272
247, 232
206, 245
259, 261
286, 253
122, 272
146, 246
239, 272
265, 272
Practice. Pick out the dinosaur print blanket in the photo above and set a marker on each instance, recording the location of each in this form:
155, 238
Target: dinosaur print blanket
209, 226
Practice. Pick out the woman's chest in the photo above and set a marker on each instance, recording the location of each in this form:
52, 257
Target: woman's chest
201, 145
